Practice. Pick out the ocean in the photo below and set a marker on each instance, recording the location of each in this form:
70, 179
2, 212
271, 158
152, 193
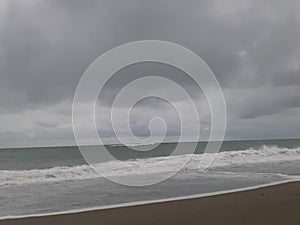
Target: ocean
57, 179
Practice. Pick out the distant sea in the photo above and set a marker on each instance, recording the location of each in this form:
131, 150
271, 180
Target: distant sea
53, 179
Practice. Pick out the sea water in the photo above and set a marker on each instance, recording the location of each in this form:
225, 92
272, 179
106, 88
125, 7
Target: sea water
56, 179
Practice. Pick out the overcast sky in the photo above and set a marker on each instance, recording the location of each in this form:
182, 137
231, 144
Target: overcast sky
252, 46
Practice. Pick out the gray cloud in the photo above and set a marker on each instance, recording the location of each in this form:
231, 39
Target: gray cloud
287, 78
272, 106
45, 46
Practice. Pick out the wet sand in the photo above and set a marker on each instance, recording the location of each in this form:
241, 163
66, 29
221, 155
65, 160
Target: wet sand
274, 205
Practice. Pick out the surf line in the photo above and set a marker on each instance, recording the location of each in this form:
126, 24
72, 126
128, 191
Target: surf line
140, 203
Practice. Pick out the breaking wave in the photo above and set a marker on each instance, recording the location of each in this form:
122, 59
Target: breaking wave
265, 154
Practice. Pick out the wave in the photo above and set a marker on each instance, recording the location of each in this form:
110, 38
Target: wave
132, 144
265, 154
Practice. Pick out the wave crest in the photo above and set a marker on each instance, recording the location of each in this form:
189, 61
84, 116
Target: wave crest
147, 166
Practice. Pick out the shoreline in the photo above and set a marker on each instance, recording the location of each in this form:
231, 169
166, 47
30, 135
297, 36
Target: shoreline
107, 212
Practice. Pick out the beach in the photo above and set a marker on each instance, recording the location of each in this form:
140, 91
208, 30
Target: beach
278, 204
149, 112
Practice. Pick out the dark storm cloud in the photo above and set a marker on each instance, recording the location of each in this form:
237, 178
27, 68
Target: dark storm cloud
133, 72
267, 107
45, 46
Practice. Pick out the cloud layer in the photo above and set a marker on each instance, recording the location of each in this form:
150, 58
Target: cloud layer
45, 46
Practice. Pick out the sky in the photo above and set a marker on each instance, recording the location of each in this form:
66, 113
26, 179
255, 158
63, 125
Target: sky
252, 47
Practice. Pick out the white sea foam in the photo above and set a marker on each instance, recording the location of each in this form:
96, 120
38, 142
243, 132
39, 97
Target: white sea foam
132, 144
139, 203
148, 166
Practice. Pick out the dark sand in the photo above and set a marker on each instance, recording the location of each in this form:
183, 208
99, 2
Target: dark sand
273, 205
